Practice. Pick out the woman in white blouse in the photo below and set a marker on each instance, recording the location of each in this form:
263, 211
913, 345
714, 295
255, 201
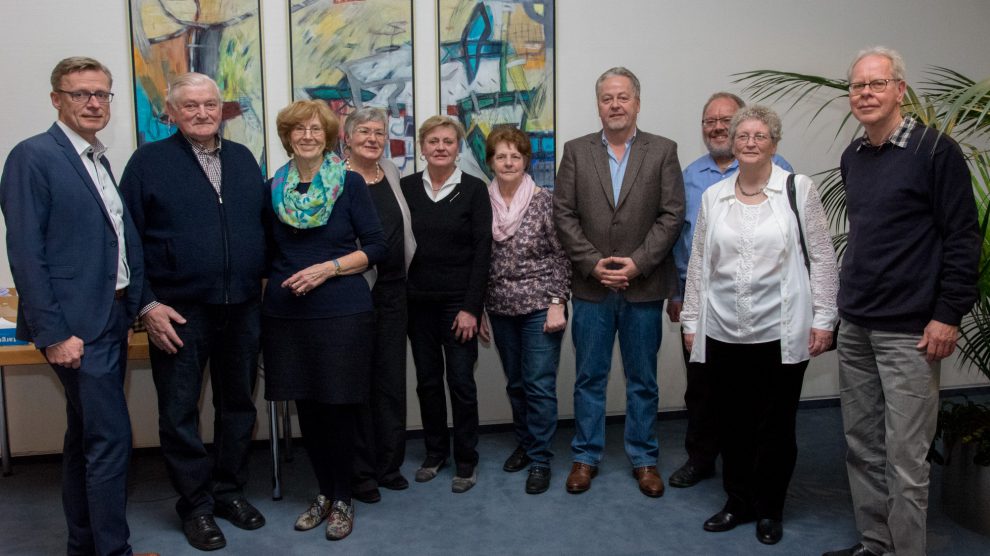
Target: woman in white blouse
754, 315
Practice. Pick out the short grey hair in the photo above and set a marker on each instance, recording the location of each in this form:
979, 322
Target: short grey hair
897, 68
618, 71
191, 79
758, 113
364, 115
740, 103
76, 64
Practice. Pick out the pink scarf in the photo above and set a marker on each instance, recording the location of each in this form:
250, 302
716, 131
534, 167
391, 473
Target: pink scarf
506, 219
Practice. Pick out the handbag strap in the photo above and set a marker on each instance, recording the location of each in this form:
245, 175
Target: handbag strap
792, 197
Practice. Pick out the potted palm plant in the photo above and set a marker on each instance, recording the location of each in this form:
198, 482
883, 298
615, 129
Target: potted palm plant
959, 107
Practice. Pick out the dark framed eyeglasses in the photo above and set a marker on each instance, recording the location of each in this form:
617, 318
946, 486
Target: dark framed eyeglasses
876, 86
82, 97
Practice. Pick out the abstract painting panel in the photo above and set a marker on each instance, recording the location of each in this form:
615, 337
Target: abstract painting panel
496, 64
356, 53
219, 38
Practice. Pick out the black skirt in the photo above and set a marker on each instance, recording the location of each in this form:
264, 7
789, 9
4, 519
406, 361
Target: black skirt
325, 360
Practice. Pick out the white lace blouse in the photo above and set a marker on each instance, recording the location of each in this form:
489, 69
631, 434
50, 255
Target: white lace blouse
744, 292
746, 280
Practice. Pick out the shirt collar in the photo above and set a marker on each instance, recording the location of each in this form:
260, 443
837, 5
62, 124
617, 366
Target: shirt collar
82, 146
775, 185
712, 166
454, 178
628, 141
201, 150
899, 138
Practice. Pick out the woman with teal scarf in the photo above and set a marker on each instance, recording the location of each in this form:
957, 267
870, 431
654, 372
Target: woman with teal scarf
317, 312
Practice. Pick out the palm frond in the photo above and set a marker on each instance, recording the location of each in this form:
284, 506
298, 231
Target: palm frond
963, 105
773, 85
833, 194
974, 335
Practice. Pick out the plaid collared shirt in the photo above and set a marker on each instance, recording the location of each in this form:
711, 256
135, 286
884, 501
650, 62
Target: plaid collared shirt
898, 138
209, 159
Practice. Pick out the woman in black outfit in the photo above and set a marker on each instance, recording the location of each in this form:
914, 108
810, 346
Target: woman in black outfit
452, 224
317, 319
381, 441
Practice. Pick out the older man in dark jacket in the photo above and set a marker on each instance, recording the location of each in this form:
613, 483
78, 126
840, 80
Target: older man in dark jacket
198, 205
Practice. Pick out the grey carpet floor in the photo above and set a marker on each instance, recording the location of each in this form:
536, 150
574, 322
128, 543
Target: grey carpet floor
496, 517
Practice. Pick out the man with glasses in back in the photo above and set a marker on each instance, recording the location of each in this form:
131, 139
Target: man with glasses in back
76, 260
701, 440
198, 203
908, 276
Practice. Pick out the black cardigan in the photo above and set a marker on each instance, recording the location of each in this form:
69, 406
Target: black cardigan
197, 248
453, 242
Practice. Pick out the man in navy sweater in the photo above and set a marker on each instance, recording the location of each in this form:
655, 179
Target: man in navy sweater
198, 206
908, 277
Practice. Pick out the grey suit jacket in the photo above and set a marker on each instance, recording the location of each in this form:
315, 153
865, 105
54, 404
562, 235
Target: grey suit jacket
643, 223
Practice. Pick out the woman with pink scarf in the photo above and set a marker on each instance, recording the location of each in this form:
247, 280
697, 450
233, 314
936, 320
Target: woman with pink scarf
528, 289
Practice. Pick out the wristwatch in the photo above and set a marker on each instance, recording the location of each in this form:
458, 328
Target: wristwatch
336, 267
554, 300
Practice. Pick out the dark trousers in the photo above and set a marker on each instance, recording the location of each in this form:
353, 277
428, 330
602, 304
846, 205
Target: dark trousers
701, 440
97, 447
380, 446
328, 434
227, 337
757, 396
433, 345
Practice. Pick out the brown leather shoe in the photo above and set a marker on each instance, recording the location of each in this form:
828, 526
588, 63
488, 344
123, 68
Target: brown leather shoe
649, 480
580, 477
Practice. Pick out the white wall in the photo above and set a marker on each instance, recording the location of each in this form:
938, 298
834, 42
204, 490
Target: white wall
682, 51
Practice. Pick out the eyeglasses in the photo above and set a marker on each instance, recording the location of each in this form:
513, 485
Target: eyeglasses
710, 122
377, 133
876, 86
315, 131
760, 138
81, 97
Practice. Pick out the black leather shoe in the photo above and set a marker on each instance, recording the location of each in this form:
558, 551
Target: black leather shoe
517, 461
538, 481
240, 513
724, 521
857, 550
689, 475
769, 531
397, 482
369, 496
203, 533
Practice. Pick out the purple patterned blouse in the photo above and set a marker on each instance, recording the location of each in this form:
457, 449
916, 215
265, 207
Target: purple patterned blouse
530, 267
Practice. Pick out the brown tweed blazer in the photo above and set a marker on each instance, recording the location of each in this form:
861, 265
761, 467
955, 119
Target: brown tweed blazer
643, 224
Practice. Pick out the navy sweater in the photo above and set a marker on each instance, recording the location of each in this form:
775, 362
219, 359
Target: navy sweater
353, 219
197, 248
453, 242
914, 240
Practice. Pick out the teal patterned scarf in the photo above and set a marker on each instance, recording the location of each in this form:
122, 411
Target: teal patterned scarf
310, 209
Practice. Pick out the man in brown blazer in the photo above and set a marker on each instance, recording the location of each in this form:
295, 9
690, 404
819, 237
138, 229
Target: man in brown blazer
618, 209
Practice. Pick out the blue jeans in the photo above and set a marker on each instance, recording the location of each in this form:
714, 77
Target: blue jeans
530, 358
593, 329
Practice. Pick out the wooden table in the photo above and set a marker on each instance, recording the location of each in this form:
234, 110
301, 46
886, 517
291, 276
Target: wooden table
136, 351
29, 355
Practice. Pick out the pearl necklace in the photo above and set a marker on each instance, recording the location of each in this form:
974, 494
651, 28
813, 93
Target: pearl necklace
378, 171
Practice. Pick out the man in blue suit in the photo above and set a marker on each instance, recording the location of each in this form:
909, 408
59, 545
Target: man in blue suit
77, 264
